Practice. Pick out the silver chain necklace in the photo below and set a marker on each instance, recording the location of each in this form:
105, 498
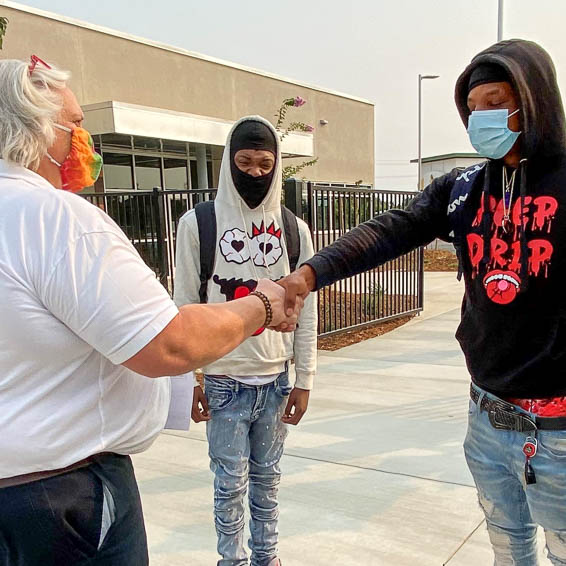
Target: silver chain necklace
508, 187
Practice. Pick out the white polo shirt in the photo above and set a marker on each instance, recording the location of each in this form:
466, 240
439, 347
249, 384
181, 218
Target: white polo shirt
76, 301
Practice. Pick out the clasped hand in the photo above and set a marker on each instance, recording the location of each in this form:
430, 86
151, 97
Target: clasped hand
285, 314
288, 296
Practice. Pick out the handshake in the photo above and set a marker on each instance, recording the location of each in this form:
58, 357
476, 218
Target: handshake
287, 297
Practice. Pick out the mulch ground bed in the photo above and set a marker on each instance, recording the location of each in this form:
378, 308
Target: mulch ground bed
434, 260
440, 260
337, 308
331, 343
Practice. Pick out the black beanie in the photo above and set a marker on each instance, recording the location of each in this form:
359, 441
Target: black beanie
252, 135
487, 73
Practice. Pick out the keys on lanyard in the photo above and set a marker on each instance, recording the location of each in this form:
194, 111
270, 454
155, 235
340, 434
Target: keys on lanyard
530, 450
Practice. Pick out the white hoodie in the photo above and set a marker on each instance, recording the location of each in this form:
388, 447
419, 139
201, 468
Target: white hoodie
250, 245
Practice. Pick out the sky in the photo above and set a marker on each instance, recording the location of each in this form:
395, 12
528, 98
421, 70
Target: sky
372, 49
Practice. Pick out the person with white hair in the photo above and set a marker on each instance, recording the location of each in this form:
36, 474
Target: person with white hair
84, 324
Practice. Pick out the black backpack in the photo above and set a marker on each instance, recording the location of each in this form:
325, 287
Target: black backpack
206, 221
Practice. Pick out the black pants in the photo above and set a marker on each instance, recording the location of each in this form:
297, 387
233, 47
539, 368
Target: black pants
58, 521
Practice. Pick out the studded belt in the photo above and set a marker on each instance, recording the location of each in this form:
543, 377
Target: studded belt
505, 416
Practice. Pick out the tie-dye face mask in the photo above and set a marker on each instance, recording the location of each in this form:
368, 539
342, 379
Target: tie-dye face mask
82, 166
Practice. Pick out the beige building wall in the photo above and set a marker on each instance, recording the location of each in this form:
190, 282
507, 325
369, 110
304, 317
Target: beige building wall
107, 66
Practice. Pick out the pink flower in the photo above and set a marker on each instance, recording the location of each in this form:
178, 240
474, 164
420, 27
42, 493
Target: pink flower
299, 101
309, 128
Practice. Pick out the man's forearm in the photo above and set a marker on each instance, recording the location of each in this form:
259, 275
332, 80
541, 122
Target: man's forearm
375, 242
212, 331
369, 245
199, 335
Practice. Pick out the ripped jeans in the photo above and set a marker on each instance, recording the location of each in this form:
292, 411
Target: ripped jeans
513, 510
245, 439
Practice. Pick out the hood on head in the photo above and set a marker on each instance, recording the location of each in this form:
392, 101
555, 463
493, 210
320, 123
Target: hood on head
227, 190
533, 77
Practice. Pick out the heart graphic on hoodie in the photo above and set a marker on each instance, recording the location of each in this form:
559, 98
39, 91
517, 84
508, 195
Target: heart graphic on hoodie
232, 246
265, 244
237, 289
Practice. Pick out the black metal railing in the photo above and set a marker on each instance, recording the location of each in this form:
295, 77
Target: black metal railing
392, 290
150, 220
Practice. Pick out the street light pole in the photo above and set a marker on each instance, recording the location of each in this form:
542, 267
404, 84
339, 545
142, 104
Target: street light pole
421, 78
500, 21
419, 157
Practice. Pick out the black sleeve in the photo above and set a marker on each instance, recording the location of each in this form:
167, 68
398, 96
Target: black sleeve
387, 236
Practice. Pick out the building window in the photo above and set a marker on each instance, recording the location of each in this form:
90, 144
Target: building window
118, 141
148, 172
148, 144
194, 175
117, 171
175, 173
143, 163
209, 173
170, 146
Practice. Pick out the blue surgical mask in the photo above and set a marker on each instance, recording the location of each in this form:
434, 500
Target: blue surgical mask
490, 134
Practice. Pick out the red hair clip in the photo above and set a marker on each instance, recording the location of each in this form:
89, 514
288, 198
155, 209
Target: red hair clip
34, 61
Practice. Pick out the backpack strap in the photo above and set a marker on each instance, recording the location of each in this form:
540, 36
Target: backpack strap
292, 237
206, 221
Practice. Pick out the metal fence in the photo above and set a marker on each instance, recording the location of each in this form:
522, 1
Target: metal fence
392, 290
150, 220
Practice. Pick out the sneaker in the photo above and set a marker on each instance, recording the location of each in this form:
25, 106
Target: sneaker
275, 562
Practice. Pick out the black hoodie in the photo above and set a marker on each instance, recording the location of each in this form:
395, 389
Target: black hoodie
513, 327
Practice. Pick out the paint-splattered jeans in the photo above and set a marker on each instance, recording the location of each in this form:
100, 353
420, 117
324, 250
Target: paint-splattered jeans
513, 509
245, 438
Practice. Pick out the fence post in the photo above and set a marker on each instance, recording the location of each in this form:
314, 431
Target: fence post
158, 211
293, 190
311, 211
421, 278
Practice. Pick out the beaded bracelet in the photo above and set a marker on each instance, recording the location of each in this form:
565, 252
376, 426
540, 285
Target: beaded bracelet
267, 304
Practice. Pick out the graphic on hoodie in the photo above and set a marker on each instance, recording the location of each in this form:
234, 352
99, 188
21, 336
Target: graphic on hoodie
502, 281
236, 289
233, 246
266, 245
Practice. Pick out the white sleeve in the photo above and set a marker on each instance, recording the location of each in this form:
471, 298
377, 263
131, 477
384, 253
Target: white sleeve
305, 342
187, 262
103, 291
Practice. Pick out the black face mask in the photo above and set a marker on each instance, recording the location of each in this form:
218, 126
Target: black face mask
252, 135
252, 189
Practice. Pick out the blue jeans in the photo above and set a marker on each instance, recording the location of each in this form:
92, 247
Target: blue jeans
245, 438
513, 509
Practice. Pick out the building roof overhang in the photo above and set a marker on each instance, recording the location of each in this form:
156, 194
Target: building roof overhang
114, 117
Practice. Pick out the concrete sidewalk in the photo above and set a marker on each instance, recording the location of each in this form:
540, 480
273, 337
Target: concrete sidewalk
375, 473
